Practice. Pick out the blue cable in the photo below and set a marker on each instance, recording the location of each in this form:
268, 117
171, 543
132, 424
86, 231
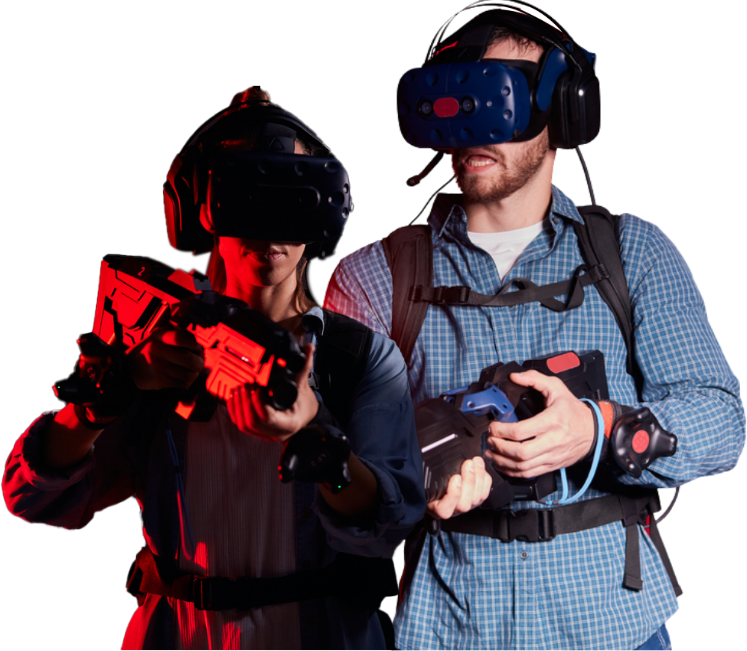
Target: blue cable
595, 461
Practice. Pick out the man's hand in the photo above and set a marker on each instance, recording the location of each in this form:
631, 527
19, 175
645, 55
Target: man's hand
556, 438
168, 358
252, 416
464, 492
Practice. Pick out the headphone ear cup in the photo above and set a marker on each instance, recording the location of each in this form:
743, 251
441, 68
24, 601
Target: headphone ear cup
171, 209
560, 114
182, 209
575, 115
591, 108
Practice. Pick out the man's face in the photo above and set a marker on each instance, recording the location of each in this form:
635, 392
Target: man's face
493, 172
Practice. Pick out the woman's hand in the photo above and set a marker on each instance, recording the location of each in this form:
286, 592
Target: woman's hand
252, 416
168, 358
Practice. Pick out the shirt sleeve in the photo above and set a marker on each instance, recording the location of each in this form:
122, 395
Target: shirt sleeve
382, 435
69, 497
361, 288
688, 384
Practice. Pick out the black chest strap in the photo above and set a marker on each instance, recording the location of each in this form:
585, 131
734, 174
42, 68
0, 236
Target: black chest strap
542, 525
527, 292
343, 578
409, 254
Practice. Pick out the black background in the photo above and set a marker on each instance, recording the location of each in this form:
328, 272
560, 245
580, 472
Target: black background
98, 103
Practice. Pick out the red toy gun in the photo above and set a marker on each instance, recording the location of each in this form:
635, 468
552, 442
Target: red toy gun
241, 345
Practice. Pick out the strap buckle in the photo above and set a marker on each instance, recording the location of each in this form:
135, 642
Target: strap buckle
214, 593
451, 295
530, 525
598, 272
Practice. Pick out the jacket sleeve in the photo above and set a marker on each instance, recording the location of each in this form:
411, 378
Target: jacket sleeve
688, 384
381, 431
68, 497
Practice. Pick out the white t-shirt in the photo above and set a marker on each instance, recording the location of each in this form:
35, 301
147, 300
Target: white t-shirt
506, 247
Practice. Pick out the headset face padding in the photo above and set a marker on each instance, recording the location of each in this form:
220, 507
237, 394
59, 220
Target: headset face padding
459, 99
271, 194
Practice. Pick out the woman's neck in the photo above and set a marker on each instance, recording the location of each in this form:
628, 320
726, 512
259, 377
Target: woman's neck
278, 302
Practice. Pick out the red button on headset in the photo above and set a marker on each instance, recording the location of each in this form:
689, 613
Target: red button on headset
446, 107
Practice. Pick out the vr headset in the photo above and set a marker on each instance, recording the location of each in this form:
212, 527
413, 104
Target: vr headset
262, 190
458, 99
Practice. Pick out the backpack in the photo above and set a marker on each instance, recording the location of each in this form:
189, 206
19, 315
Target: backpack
409, 254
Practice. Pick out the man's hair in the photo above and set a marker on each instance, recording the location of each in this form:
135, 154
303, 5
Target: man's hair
216, 270
522, 43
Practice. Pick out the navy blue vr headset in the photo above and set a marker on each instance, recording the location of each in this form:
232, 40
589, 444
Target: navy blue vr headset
458, 99
262, 190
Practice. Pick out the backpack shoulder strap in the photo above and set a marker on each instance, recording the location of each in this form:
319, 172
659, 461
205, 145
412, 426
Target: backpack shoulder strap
409, 253
599, 242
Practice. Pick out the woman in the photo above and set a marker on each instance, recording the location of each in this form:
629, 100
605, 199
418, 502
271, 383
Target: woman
235, 558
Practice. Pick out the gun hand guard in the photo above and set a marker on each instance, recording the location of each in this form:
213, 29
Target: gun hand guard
232, 335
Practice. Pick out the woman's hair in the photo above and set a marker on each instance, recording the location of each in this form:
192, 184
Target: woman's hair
216, 271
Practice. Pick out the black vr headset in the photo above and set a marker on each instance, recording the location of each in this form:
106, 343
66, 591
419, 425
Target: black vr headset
264, 192
458, 99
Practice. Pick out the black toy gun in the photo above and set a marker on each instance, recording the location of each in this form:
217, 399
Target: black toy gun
138, 294
454, 427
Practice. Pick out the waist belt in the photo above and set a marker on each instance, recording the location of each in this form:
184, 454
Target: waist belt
361, 581
541, 525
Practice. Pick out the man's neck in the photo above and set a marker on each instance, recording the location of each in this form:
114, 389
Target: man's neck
525, 207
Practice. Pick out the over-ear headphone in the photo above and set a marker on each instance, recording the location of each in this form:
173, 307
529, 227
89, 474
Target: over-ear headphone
458, 99
266, 192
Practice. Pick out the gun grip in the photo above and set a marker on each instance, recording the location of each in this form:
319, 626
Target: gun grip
185, 409
501, 492
197, 403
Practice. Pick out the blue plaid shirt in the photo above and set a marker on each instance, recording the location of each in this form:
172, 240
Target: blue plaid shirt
566, 593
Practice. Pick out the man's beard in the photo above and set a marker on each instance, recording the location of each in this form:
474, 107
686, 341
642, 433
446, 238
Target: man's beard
485, 188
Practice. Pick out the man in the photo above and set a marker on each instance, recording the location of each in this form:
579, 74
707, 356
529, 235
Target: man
573, 590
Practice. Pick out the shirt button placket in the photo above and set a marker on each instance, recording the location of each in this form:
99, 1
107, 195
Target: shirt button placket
525, 606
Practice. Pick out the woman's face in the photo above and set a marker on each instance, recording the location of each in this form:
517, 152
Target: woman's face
260, 263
